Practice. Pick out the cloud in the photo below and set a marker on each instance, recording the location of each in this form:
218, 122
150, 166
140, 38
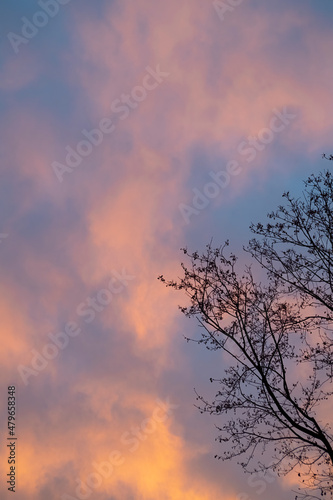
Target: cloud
119, 210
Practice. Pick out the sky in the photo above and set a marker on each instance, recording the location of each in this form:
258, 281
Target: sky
129, 130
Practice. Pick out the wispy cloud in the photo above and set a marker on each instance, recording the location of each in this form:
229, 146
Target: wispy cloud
165, 112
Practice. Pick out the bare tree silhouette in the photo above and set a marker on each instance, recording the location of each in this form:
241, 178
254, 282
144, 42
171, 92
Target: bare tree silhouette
277, 337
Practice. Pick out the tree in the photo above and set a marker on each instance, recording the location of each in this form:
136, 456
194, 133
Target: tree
273, 324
